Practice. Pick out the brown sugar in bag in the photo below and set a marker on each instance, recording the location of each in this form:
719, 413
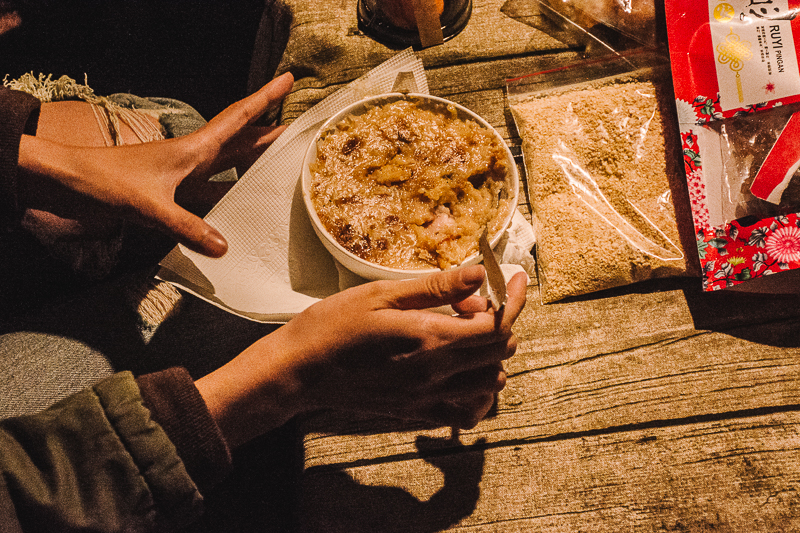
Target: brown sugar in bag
594, 155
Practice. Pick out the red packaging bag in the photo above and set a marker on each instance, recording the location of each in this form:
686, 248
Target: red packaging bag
737, 88
740, 54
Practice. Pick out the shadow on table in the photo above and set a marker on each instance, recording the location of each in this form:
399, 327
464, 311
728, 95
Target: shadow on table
334, 502
260, 494
764, 311
759, 317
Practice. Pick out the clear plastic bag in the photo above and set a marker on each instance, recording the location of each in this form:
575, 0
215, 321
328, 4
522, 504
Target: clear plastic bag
619, 24
745, 141
600, 175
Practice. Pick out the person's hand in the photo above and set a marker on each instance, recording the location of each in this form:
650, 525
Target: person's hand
138, 182
375, 348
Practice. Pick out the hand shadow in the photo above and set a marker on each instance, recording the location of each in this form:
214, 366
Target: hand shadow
332, 501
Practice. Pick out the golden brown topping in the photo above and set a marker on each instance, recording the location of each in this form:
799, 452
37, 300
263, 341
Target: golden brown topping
410, 187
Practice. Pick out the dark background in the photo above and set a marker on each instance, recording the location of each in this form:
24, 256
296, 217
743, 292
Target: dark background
197, 52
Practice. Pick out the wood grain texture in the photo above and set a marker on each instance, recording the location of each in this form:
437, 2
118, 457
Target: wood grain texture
722, 476
326, 49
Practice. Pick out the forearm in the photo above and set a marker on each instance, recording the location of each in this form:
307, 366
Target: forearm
373, 348
49, 159
106, 174
254, 393
133, 182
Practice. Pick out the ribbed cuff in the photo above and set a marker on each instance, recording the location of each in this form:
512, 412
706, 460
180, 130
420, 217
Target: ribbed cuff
176, 404
18, 115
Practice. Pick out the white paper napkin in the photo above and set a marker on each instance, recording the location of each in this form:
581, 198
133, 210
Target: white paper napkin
276, 266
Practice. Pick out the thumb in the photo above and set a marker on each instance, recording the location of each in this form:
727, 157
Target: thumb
191, 231
443, 288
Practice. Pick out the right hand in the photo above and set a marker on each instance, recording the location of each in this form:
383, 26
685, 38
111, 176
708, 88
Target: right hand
375, 348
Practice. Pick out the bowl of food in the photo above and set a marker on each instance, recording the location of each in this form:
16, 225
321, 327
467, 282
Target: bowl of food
402, 185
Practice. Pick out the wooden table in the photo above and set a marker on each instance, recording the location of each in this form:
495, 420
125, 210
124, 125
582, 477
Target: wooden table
654, 407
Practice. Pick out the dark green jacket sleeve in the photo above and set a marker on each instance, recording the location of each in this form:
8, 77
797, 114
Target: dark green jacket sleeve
96, 461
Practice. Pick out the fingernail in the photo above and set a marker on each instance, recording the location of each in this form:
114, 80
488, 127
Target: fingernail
283, 77
473, 274
215, 243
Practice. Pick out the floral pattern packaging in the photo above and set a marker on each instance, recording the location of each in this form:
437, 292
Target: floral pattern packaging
737, 90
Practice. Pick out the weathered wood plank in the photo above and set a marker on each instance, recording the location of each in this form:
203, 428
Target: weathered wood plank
327, 50
721, 476
613, 361
484, 92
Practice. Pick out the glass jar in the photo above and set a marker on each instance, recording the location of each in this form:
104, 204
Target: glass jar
393, 23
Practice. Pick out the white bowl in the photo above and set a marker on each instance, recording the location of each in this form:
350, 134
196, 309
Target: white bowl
356, 264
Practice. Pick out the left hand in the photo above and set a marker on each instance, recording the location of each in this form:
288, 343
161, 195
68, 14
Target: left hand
138, 182
375, 348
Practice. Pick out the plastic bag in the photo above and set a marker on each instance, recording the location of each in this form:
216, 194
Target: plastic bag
616, 23
745, 144
599, 174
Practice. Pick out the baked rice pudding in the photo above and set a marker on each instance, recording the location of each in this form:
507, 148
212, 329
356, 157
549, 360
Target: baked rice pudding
409, 185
